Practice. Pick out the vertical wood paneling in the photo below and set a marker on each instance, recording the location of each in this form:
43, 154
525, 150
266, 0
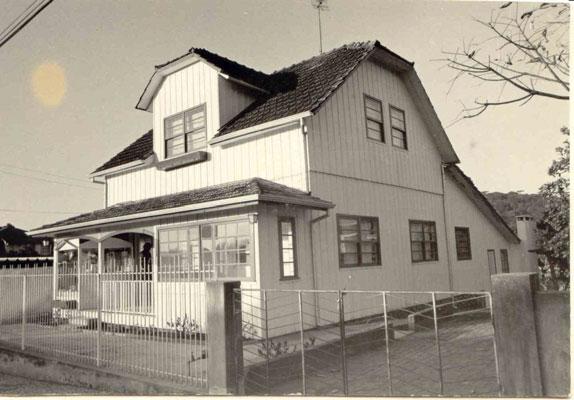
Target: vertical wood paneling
278, 156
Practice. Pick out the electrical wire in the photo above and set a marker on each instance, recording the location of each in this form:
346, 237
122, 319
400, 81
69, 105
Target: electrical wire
26, 20
48, 180
43, 172
37, 211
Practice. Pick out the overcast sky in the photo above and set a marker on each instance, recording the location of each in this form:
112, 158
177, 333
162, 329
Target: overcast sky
69, 82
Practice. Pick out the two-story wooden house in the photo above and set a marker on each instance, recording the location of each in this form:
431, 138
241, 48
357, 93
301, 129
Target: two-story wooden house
332, 173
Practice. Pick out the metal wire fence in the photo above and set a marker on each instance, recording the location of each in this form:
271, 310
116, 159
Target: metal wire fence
136, 322
369, 343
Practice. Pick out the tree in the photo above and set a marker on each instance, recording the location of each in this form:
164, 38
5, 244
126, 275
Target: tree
554, 236
527, 55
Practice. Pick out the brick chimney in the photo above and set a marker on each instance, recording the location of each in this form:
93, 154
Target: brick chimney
526, 231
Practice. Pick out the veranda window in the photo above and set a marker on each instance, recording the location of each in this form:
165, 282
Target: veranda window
185, 132
206, 251
359, 241
423, 241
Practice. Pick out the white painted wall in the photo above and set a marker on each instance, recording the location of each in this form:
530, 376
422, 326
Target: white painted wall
474, 274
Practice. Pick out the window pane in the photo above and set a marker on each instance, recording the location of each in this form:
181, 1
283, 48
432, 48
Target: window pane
374, 114
288, 270
399, 142
368, 258
348, 247
175, 146
375, 134
174, 126
347, 223
349, 236
287, 255
350, 259
287, 242
286, 228
194, 119
372, 104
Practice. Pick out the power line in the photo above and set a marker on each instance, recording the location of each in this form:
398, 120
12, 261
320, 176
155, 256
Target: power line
19, 17
47, 180
43, 172
37, 211
20, 25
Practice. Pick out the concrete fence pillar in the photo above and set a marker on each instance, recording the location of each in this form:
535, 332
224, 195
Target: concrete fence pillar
515, 330
224, 345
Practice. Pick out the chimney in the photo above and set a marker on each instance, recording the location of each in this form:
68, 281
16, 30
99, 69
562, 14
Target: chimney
526, 231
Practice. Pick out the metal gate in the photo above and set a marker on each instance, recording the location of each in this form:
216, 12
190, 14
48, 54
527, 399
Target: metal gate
368, 343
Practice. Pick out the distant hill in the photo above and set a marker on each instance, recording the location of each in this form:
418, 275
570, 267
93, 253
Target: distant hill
511, 204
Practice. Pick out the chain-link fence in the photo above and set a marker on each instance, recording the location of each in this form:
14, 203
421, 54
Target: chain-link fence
368, 343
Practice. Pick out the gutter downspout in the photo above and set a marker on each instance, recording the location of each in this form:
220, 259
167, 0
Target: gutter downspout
306, 151
314, 272
448, 256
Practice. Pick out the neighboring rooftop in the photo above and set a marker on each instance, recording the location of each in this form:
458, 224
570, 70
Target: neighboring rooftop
266, 190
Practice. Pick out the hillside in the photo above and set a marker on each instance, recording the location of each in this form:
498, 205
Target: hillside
511, 204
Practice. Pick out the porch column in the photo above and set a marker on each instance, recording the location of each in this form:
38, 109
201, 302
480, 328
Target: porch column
100, 256
79, 262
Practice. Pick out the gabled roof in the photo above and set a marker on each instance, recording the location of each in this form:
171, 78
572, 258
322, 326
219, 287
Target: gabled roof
468, 187
262, 189
139, 150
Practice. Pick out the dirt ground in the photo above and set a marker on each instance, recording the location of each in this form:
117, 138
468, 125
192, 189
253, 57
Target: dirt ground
19, 386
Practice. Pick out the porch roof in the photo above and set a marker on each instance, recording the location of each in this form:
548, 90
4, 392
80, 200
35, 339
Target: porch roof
251, 190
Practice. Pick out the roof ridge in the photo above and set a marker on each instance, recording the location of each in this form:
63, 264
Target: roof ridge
193, 50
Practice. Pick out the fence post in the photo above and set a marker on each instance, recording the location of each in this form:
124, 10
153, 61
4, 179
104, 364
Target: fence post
343, 348
489, 296
389, 376
302, 337
224, 348
99, 322
433, 294
24, 284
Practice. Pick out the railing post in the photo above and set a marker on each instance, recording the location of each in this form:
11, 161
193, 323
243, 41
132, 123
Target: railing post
343, 348
489, 297
433, 294
302, 338
389, 375
24, 284
99, 322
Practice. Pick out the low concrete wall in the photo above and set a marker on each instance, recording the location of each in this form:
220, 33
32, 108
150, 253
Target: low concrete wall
552, 317
15, 362
532, 330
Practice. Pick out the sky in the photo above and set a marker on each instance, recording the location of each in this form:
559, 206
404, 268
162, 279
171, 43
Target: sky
69, 82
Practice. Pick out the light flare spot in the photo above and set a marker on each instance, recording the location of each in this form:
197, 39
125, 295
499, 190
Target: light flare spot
49, 84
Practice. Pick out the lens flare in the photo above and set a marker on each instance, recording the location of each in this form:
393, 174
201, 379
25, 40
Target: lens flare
49, 84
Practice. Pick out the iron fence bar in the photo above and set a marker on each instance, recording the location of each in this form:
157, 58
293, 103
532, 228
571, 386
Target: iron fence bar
99, 319
301, 328
265, 306
24, 284
380, 292
499, 386
343, 349
437, 339
389, 375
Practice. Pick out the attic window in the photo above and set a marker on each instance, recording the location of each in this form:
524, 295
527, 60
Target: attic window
398, 127
185, 132
374, 119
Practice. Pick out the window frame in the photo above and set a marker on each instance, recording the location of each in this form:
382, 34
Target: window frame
282, 276
404, 132
423, 222
377, 243
185, 133
381, 122
459, 257
488, 253
504, 269
213, 275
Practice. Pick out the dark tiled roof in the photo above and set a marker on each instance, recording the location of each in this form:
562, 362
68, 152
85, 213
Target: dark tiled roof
229, 67
138, 150
470, 188
302, 87
224, 191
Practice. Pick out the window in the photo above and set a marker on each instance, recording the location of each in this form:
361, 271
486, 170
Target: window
491, 254
287, 253
504, 261
220, 250
185, 132
374, 119
398, 128
462, 238
358, 241
423, 241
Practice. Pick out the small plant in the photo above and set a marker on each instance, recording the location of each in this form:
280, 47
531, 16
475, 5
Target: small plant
277, 349
186, 325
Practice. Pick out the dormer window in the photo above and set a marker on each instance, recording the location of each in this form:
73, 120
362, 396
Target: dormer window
185, 132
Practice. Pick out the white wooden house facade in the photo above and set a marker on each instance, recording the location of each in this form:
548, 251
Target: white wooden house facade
332, 173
